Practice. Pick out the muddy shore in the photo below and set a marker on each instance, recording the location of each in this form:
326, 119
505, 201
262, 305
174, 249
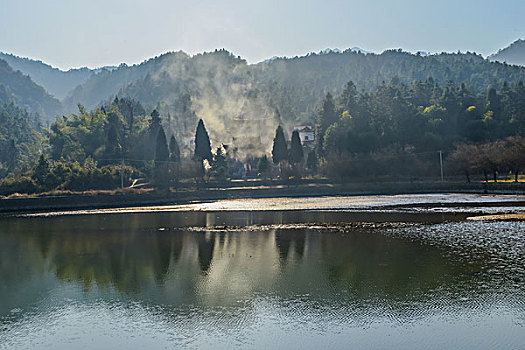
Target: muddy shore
500, 194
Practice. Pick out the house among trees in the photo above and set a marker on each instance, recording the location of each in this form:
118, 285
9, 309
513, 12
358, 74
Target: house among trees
188, 146
307, 135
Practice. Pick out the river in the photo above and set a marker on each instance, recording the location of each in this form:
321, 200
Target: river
261, 279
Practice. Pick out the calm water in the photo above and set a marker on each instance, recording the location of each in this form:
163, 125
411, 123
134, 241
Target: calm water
171, 280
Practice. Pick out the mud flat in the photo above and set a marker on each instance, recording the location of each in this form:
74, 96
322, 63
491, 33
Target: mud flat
275, 192
326, 210
498, 217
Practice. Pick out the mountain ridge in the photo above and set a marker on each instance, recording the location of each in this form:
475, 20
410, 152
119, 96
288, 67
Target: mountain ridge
513, 54
20, 89
57, 82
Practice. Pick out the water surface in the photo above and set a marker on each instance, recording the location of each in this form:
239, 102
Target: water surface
220, 280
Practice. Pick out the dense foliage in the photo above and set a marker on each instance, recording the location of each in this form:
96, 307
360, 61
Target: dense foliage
104, 134
21, 140
376, 116
57, 82
21, 90
399, 121
223, 89
501, 156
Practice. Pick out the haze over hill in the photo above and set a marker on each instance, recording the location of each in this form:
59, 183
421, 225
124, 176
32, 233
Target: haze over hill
513, 54
22, 91
393, 104
221, 85
55, 81
227, 92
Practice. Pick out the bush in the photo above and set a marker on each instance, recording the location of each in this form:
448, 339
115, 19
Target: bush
22, 184
106, 178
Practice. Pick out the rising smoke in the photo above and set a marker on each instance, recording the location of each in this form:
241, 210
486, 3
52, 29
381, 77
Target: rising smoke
220, 89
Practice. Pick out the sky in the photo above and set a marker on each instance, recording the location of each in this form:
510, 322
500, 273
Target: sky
94, 33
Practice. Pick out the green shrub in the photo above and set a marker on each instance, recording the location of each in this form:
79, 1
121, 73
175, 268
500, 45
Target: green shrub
19, 184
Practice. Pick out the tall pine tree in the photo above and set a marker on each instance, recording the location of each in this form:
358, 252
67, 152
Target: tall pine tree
161, 160
280, 149
296, 149
326, 117
202, 143
153, 131
174, 150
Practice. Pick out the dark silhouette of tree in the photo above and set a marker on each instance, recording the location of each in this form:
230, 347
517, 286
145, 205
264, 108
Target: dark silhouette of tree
348, 99
113, 149
202, 143
161, 161
153, 131
263, 167
327, 116
280, 149
311, 162
41, 171
174, 150
296, 149
219, 166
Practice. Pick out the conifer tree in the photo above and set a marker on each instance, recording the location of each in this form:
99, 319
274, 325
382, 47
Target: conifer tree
113, 149
174, 150
296, 149
263, 166
326, 117
41, 171
202, 143
161, 148
219, 166
311, 162
280, 149
161, 160
153, 131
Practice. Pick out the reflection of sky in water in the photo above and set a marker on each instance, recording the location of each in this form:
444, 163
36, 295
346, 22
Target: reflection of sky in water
119, 282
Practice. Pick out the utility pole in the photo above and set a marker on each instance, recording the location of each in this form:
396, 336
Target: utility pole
441, 163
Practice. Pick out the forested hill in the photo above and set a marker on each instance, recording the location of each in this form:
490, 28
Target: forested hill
107, 83
298, 84
21, 140
220, 83
19, 89
513, 54
57, 82
220, 87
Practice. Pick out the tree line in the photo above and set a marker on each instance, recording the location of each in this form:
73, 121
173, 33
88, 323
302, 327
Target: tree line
397, 122
392, 132
505, 156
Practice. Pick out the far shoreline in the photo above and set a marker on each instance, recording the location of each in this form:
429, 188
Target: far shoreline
103, 200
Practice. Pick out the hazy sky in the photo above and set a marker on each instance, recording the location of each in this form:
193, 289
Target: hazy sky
73, 33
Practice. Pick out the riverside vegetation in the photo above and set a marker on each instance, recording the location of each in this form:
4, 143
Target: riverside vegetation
390, 132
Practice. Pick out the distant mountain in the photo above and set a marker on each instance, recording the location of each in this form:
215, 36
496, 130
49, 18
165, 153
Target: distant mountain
513, 54
360, 50
242, 99
107, 82
54, 80
19, 89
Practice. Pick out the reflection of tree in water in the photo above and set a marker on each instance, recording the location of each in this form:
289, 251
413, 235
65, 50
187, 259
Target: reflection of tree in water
127, 261
368, 263
164, 251
362, 265
287, 239
205, 246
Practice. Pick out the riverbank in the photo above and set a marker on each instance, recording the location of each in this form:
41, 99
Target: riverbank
105, 200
